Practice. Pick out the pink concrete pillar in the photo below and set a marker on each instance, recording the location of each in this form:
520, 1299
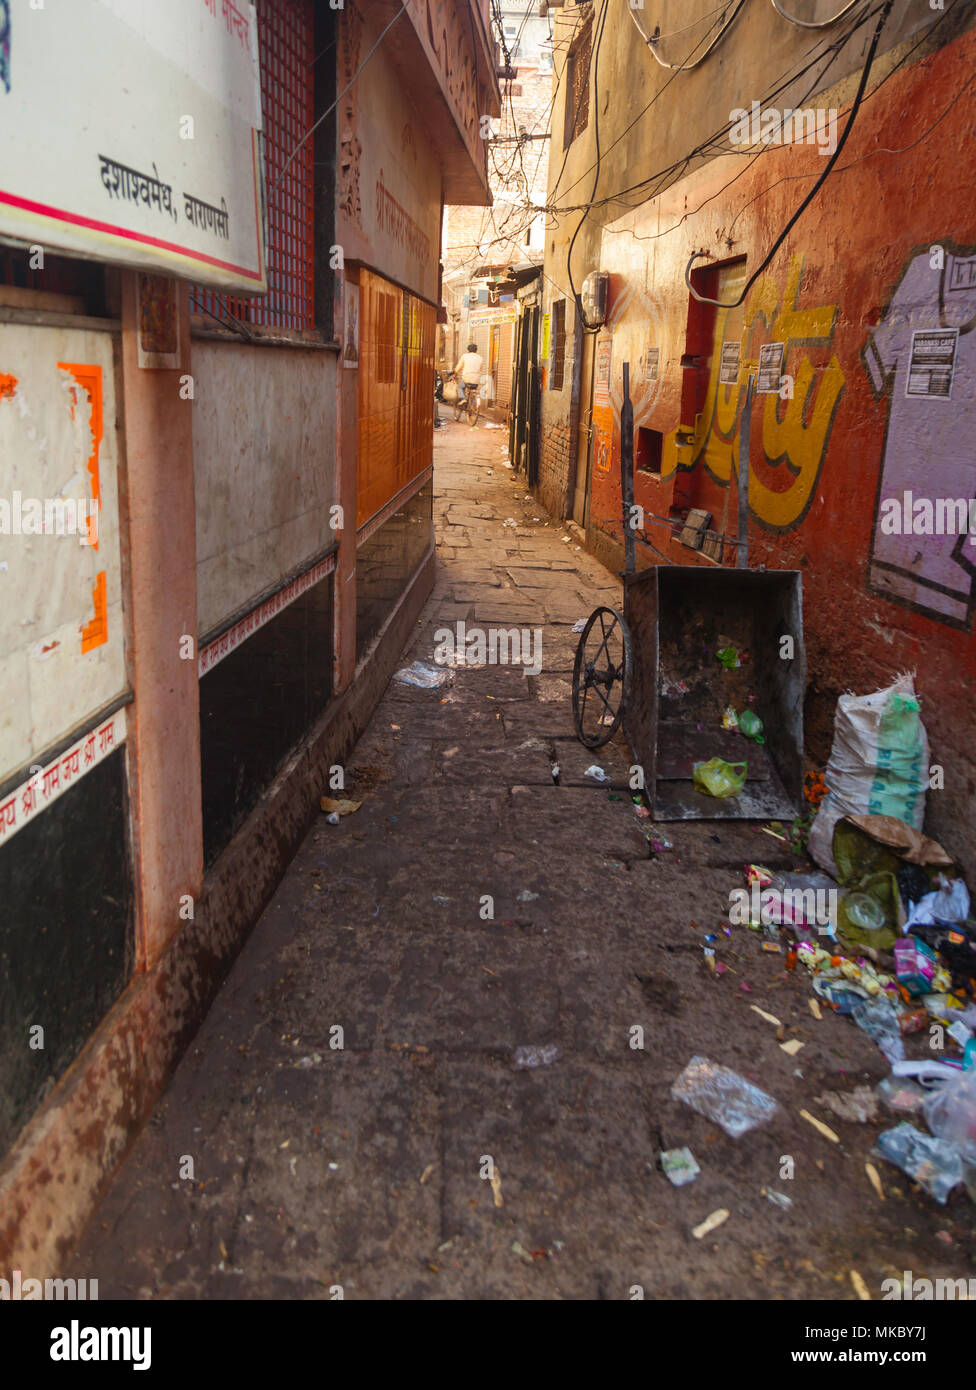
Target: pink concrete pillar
347, 465
164, 722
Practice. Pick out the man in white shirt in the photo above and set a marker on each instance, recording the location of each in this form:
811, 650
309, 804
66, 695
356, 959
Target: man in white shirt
470, 367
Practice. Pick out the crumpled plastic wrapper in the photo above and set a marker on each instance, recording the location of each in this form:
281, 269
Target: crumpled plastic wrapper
720, 1094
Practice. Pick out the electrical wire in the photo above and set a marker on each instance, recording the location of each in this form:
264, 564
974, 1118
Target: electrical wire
640, 115
859, 97
688, 67
587, 328
816, 23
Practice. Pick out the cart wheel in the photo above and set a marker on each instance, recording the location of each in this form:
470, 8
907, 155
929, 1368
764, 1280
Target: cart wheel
601, 677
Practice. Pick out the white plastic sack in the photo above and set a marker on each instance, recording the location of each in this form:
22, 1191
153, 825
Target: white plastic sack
450, 392
878, 764
949, 903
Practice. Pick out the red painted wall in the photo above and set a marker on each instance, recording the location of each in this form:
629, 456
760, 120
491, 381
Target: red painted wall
861, 272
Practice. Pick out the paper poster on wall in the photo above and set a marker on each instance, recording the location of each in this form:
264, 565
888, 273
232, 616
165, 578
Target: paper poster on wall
159, 322
62, 647
728, 372
601, 390
652, 363
350, 332
770, 368
932, 364
544, 354
131, 135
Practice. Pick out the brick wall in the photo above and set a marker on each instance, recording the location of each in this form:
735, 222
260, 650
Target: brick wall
555, 460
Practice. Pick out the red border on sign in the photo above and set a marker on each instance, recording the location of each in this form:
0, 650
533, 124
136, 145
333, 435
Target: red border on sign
60, 215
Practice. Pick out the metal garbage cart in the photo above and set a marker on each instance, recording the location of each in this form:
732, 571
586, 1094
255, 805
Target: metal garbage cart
655, 669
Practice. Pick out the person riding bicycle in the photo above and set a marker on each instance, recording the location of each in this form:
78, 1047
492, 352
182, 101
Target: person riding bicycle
470, 365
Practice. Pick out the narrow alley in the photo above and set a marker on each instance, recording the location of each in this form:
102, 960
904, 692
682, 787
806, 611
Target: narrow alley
361, 1170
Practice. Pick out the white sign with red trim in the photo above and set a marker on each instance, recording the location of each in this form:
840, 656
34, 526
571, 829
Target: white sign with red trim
130, 135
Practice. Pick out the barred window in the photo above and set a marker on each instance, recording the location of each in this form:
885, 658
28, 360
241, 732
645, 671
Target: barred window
286, 44
558, 344
577, 84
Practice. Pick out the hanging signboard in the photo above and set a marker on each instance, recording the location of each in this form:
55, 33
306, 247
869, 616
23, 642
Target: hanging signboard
130, 134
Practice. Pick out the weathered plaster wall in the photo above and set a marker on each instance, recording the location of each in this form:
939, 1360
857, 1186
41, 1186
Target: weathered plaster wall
264, 451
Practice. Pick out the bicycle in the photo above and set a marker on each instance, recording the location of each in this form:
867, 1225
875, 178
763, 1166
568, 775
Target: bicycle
468, 403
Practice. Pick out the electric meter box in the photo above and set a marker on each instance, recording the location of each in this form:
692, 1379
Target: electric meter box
593, 298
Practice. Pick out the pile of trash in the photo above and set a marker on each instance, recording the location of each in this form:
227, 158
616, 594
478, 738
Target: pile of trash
885, 933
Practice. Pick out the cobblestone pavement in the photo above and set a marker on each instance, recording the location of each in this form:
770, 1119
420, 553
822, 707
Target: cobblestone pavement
365, 1167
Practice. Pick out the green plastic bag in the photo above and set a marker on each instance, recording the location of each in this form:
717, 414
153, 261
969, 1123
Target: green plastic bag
719, 778
752, 726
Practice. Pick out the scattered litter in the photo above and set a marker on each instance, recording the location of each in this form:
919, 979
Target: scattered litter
510, 522
579, 625
526, 897
339, 808
751, 726
815, 1009
565, 540
427, 677
877, 1017
711, 1223
858, 1106
773, 947
770, 1018
519, 1249
792, 1047
679, 1166
932, 1163
903, 1096
720, 1094
527, 1058
718, 778
950, 903
333, 818
426, 1173
819, 1125
596, 772
729, 657
778, 1199
874, 1178
860, 1288
496, 1187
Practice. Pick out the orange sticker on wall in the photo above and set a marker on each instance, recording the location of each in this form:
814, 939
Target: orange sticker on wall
95, 632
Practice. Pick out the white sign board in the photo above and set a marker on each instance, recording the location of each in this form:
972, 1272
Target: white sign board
130, 135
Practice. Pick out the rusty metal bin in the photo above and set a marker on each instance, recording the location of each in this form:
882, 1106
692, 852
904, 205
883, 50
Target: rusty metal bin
679, 617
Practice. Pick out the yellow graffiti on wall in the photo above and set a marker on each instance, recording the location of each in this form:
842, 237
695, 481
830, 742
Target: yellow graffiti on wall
795, 431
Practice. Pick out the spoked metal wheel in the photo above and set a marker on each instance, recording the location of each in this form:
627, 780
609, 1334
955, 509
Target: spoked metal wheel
601, 677
474, 408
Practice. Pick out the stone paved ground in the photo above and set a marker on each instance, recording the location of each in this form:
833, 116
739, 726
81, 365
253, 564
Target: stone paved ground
363, 1166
